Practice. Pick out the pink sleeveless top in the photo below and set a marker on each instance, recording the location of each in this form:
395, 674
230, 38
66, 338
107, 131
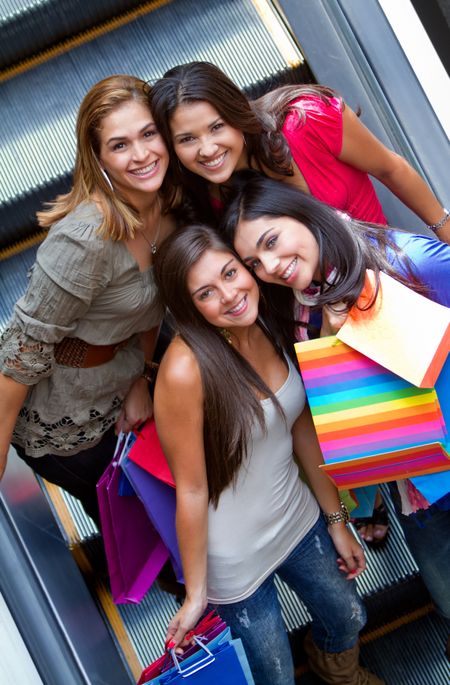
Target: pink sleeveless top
316, 144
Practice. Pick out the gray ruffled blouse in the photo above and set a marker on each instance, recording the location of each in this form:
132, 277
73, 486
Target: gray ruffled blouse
80, 286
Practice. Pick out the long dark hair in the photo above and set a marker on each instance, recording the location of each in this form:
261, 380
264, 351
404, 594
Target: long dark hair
203, 81
348, 245
229, 382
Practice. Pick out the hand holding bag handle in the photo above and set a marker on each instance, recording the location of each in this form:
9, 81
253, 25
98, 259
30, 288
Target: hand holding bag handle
198, 665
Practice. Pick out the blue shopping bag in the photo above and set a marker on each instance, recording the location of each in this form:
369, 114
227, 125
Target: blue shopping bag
220, 665
164, 666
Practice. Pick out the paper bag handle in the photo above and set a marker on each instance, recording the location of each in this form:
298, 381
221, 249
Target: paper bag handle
199, 665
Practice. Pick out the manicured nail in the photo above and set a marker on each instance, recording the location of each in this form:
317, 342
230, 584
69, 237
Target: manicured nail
171, 644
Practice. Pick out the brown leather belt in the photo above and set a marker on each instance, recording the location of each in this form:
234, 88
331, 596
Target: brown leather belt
83, 355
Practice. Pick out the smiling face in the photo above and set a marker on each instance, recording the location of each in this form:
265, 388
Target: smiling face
132, 152
223, 290
205, 143
279, 250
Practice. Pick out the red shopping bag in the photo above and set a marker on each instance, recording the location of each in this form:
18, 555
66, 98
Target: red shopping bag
147, 453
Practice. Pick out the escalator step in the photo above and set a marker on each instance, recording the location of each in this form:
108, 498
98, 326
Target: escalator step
31, 26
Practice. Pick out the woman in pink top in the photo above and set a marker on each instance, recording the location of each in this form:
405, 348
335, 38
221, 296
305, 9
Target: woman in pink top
314, 130
304, 135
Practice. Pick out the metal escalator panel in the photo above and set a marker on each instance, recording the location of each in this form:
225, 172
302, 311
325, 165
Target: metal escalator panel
31, 26
46, 593
13, 279
38, 108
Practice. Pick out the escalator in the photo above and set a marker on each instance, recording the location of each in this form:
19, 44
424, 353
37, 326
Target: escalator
52, 53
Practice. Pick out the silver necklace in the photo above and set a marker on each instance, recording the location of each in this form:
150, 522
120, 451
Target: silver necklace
154, 243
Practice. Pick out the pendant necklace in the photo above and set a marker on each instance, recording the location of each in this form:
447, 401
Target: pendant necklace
154, 243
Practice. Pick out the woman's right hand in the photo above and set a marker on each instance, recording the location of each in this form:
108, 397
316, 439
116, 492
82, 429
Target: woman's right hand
184, 620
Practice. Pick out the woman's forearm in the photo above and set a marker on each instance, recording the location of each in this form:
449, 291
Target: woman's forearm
12, 397
411, 189
309, 454
148, 340
363, 150
192, 533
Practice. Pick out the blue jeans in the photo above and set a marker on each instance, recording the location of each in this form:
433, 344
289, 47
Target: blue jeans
428, 538
337, 612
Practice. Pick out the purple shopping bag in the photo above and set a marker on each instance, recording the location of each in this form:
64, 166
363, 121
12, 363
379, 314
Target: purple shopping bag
134, 550
159, 500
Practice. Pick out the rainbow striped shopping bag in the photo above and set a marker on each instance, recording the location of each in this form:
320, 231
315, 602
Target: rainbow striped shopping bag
373, 426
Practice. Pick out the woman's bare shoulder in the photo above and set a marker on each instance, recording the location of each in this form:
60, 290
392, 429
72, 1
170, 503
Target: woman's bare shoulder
179, 367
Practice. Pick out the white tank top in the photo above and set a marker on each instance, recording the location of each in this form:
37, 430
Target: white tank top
261, 518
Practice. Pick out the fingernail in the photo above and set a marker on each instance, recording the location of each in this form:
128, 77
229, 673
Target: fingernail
171, 644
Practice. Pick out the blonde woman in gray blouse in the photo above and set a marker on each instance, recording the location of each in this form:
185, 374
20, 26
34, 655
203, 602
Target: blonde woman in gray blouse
73, 358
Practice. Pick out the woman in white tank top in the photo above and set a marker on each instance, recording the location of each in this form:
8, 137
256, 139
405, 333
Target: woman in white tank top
230, 412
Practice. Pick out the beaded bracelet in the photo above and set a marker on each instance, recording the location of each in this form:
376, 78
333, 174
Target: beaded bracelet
435, 227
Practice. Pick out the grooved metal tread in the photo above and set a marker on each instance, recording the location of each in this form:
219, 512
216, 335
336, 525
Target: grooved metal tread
30, 26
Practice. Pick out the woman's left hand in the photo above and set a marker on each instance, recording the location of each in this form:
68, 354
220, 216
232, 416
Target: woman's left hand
351, 555
137, 407
333, 318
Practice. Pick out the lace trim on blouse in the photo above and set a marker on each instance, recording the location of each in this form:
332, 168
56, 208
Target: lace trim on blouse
63, 437
23, 359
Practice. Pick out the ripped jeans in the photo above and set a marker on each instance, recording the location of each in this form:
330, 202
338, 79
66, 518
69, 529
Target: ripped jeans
337, 612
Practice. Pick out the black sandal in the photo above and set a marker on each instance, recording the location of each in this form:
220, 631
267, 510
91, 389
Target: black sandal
379, 518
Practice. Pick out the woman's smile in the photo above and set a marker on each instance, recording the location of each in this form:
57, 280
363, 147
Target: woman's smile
146, 171
290, 271
240, 308
214, 163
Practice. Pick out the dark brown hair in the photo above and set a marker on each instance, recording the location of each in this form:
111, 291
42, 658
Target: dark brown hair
229, 382
260, 122
348, 245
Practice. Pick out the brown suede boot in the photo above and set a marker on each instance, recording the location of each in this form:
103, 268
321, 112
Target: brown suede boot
341, 668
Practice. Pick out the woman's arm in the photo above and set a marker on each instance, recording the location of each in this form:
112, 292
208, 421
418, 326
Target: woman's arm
179, 420
361, 149
12, 397
137, 406
307, 450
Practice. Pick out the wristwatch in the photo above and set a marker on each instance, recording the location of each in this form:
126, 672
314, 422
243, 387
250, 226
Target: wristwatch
338, 516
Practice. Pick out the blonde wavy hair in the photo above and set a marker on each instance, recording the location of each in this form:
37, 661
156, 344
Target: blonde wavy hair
120, 220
